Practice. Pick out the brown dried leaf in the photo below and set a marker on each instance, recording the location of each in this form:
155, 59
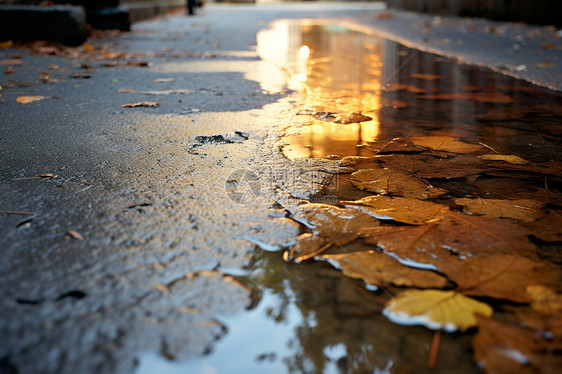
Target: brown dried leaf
141, 104
414, 246
338, 225
9, 70
378, 269
545, 64
127, 90
512, 159
551, 167
548, 228
28, 99
544, 300
547, 325
384, 15
399, 145
461, 234
483, 97
13, 61
137, 63
524, 209
6, 44
445, 143
430, 167
501, 276
411, 211
385, 181
75, 235
308, 245
501, 348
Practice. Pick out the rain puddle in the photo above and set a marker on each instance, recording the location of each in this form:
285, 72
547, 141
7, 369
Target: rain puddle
449, 220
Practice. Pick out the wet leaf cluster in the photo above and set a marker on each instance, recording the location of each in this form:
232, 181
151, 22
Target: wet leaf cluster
486, 261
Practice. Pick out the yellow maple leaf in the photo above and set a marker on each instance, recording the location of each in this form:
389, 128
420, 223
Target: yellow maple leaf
447, 310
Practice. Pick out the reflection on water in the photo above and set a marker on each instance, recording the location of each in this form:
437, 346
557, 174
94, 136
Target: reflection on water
310, 319
346, 71
338, 73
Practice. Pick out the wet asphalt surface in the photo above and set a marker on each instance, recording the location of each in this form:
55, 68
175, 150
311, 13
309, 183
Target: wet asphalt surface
146, 188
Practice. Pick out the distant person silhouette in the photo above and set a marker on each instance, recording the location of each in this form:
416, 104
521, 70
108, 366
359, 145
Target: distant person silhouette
191, 7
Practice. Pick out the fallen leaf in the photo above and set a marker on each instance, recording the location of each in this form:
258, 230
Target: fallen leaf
551, 167
501, 348
523, 209
137, 63
75, 235
384, 15
112, 55
308, 245
512, 159
141, 104
168, 92
391, 87
548, 46
6, 44
28, 99
353, 117
500, 276
385, 181
483, 97
544, 300
163, 80
429, 77
127, 90
378, 269
411, 211
87, 46
445, 143
545, 64
461, 234
399, 145
424, 166
447, 310
548, 326
338, 225
13, 61
9, 71
548, 228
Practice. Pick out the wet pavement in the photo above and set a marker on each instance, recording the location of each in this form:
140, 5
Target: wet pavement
168, 275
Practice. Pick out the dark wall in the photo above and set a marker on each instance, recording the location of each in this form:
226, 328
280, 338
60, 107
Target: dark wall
541, 12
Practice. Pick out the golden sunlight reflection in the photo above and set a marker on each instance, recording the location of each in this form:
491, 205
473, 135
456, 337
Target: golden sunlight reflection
338, 73
304, 51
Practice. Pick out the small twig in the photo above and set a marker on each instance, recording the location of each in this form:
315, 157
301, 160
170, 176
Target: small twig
24, 178
434, 350
15, 212
490, 148
540, 137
